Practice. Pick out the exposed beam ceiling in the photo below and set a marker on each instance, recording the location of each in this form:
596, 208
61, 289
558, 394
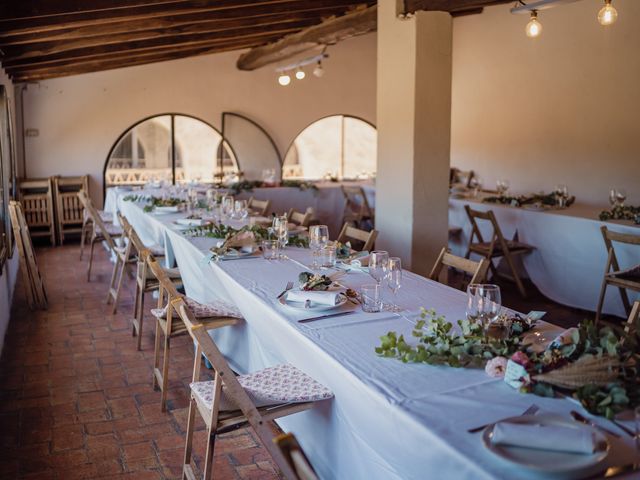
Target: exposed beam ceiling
455, 7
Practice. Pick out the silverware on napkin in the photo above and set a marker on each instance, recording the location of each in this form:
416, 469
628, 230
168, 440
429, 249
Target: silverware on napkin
286, 289
582, 419
312, 319
529, 411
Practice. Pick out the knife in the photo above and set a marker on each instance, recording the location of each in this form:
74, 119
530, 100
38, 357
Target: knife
582, 419
312, 319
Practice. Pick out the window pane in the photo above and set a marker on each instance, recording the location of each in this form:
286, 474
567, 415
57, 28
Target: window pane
196, 149
142, 154
360, 148
316, 151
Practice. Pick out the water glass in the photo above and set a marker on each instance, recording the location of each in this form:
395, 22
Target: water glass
270, 249
240, 209
328, 256
476, 185
227, 206
562, 194
502, 186
378, 265
318, 239
281, 230
371, 298
394, 280
483, 304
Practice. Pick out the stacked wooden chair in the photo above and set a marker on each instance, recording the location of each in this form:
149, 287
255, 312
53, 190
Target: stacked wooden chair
170, 325
367, 239
259, 207
623, 280
69, 211
476, 270
299, 218
101, 231
497, 247
33, 284
357, 210
36, 198
227, 402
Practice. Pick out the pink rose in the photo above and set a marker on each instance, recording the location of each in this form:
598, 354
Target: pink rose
521, 359
496, 367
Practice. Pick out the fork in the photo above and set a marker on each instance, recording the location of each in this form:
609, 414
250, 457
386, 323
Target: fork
286, 289
529, 411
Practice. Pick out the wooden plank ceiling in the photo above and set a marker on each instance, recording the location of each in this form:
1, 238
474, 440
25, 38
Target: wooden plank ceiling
42, 39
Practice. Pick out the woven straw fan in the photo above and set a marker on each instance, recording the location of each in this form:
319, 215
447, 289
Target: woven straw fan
584, 371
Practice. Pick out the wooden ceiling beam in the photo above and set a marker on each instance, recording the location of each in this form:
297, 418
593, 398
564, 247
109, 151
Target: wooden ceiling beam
172, 34
329, 32
299, 10
29, 57
223, 8
455, 7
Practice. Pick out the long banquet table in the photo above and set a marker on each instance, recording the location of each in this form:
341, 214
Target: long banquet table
388, 420
569, 257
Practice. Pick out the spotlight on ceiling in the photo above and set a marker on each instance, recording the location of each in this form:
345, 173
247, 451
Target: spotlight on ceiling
284, 79
300, 74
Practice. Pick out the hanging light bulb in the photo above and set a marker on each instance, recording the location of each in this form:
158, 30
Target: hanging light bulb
284, 79
534, 27
318, 71
300, 74
607, 14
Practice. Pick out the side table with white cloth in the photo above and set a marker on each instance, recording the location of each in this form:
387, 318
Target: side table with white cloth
388, 420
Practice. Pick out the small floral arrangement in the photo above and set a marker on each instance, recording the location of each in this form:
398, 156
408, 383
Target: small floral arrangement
314, 281
153, 202
619, 212
343, 250
300, 184
546, 199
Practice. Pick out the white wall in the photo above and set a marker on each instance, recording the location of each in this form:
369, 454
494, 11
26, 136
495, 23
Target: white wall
561, 108
80, 117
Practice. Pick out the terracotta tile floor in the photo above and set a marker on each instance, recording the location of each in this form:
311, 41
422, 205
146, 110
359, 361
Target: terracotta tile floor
76, 399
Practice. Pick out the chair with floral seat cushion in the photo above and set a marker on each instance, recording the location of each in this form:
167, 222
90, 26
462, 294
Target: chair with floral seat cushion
623, 279
146, 282
169, 325
497, 247
227, 402
100, 232
123, 258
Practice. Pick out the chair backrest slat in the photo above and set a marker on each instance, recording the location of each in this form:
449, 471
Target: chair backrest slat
299, 218
368, 238
477, 270
261, 206
96, 218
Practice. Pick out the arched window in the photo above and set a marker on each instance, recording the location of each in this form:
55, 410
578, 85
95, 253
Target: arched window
168, 147
340, 146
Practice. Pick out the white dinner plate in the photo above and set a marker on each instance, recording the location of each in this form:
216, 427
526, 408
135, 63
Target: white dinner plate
546, 463
315, 307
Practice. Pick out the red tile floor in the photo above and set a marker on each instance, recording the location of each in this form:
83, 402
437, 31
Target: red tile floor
76, 399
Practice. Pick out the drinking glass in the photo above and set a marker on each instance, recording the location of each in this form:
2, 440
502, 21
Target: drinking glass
211, 197
227, 206
621, 196
562, 194
378, 265
483, 304
394, 280
476, 185
240, 209
328, 255
318, 239
281, 230
371, 301
502, 186
270, 249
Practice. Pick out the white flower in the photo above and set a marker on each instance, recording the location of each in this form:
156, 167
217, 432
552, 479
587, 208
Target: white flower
496, 367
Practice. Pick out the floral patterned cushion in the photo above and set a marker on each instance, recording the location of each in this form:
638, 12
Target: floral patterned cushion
202, 310
271, 386
632, 273
105, 216
111, 229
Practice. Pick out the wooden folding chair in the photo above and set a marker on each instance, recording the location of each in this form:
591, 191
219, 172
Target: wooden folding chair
69, 210
460, 177
100, 232
351, 233
612, 273
299, 218
36, 198
295, 457
477, 270
228, 402
260, 207
124, 258
33, 284
210, 316
633, 322
497, 247
357, 210
146, 281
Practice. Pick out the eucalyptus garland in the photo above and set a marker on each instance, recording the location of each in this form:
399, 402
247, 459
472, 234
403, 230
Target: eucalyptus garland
548, 199
618, 212
219, 230
300, 184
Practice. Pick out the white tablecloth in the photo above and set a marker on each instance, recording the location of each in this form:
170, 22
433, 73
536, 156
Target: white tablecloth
388, 420
569, 260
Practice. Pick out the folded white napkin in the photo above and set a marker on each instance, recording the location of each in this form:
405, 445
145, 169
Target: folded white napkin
168, 209
545, 437
315, 296
192, 222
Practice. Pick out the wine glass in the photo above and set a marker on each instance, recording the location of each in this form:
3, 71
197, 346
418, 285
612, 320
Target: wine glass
502, 186
562, 194
240, 209
476, 185
394, 280
378, 265
281, 229
483, 304
613, 193
318, 239
621, 196
227, 206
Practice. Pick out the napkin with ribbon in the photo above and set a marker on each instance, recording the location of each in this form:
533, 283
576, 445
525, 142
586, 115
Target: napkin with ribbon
191, 222
554, 438
315, 296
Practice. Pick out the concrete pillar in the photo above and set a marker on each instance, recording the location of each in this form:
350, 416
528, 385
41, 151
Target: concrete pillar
414, 131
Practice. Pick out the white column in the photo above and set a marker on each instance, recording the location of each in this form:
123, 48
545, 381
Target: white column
414, 130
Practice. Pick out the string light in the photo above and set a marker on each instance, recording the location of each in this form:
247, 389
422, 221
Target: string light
534, 27
284, 79
607, 14
300, 74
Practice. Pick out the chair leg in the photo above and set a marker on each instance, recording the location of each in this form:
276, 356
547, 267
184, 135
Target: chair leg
112, 282
189, 440
83, 238
625, 301
208, 459
165, 373
140, 317
118, 288
603, 292
156, 355
516, 277
93, 243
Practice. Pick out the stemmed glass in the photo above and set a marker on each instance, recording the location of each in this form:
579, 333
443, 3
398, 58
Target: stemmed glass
240, 209
483, 304
378, 262
502, 186
617, 197
394, 280
227, 206
281, 229
562, 194
476, 185
318, 239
